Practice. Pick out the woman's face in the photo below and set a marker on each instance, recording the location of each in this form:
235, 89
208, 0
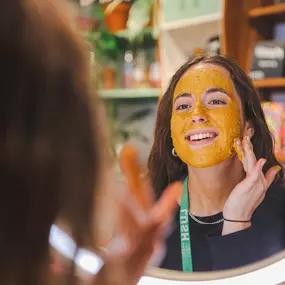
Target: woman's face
206, 116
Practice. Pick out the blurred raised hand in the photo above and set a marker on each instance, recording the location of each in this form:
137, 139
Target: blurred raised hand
142, 226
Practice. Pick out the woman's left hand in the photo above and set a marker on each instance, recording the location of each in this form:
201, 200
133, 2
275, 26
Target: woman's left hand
250, 192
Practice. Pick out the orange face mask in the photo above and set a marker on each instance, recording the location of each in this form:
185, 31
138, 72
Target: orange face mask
206, 118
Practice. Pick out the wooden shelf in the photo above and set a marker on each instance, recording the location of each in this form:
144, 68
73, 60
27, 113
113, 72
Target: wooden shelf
270, 83
138, 93
277, 12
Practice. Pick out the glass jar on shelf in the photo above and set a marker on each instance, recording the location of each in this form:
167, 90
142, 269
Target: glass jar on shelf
140, 78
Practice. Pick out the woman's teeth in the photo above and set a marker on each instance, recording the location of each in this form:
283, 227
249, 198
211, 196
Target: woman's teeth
201, 136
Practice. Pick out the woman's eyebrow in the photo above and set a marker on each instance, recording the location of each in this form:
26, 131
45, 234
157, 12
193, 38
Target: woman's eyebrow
216, 89
184, 94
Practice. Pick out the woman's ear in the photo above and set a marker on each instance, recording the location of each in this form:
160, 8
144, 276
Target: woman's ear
248, 129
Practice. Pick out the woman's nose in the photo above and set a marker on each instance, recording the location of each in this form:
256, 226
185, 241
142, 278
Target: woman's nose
198, 120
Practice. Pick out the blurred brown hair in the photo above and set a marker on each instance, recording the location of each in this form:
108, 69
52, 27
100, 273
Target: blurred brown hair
164, 168
51, 144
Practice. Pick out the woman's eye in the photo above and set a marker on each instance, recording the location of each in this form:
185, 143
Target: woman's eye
216, 102
183, 107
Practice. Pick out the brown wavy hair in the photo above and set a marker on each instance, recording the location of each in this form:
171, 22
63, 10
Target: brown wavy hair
51, 139
164, 168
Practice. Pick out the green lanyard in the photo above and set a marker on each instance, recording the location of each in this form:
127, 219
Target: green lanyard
185, 230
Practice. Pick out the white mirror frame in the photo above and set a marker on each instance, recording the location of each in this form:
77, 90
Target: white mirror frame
270, 271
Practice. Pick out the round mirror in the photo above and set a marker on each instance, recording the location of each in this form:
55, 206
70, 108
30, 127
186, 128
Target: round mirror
269, 271
211, 134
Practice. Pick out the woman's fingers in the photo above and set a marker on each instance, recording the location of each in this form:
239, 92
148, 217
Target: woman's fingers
240, 153
271, 174
257, 174
245, 154
129, 163
249, 154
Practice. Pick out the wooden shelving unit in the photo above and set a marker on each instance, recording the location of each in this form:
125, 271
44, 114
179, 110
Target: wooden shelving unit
112, 97
272, 11
270, 83
139, 93
246, 22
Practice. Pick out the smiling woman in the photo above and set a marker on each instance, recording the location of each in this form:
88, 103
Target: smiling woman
212, 135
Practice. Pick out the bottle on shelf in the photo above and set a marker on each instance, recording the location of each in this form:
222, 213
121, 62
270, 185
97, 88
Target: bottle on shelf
140, 71
109, 76
128, 69
154, 69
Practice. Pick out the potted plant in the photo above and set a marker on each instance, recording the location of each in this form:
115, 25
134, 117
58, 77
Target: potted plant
116, 14
106, 54
105, 44
142, 21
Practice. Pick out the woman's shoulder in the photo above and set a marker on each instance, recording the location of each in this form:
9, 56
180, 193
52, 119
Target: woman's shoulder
271, 211
276, 191
275, 197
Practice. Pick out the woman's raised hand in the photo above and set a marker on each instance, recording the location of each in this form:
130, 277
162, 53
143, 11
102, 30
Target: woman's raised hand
249, 193
142, 226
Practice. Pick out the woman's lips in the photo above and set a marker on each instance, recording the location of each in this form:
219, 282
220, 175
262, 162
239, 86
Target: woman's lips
201, 137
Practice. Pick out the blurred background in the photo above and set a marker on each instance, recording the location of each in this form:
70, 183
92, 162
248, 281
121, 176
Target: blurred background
137, 45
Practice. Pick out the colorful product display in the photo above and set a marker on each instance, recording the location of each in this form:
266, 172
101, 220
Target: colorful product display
275, 117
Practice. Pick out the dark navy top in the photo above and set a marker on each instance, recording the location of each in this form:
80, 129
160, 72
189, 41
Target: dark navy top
212, 251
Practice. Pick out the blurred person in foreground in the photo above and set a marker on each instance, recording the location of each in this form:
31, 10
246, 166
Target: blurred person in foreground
54, 154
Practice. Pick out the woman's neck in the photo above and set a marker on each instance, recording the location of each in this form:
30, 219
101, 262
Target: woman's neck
210, 187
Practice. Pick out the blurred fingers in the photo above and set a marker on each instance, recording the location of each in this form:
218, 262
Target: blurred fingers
164, 208
139, 189
129, 221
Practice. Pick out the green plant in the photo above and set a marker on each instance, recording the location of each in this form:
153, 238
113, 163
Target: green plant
139, 17
106, 46
104, 43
